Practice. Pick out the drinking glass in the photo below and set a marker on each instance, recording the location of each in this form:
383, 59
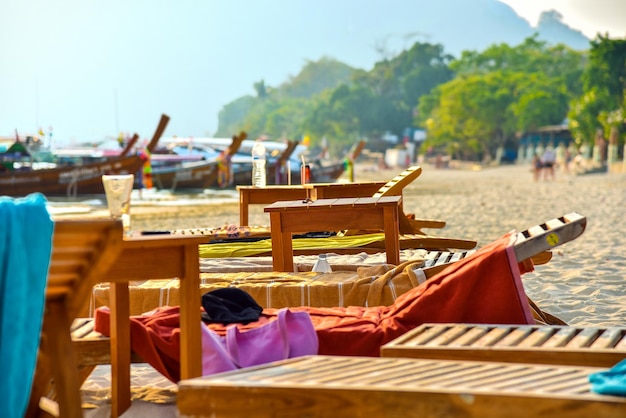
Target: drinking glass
118, 189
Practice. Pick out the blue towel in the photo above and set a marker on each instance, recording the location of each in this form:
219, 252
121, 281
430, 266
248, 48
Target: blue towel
25, 246
611, 381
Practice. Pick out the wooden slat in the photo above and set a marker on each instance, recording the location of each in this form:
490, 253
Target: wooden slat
492, 337
608, 338
584, 338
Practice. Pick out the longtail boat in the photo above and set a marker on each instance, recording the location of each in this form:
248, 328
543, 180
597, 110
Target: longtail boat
275, 167
329, 172
175, 172
73, 180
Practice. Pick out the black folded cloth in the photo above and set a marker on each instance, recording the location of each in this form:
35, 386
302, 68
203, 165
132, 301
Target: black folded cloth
230, 305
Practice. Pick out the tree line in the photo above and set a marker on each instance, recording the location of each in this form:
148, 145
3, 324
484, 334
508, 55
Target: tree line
469, 106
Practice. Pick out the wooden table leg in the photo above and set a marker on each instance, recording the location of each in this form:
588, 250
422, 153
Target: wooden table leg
120, 348
282, 246
392, 235
190, 320
244, 202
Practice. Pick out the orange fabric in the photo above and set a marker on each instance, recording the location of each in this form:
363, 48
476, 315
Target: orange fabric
482, 288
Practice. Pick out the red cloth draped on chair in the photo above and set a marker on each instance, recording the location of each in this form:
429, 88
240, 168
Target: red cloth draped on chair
485, 287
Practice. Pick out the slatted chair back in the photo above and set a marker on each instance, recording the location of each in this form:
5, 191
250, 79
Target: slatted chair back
396, 185
82, 253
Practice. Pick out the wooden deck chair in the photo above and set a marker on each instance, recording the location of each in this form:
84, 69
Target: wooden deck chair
307, 246
250, 195
344, 386
82, 253
410, 228
395, 187
567, 345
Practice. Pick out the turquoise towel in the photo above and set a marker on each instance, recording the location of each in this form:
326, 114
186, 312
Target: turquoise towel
611, 381
25, 247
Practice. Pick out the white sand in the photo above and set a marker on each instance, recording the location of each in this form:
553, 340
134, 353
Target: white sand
584, 283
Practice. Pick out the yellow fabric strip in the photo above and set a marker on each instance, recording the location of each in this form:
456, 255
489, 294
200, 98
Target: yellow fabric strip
246, 249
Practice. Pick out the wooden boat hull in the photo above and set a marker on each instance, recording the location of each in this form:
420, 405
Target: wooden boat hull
321, 174
74, 180
67, 180
201, 174
194, 175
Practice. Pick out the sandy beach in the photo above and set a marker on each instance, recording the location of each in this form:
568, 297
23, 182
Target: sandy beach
583, 284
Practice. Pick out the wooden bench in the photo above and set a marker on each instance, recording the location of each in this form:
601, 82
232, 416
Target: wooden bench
569, 345
329, 386
297, 216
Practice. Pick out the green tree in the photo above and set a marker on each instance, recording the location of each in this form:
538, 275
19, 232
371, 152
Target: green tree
261, 90
232, 115
280, 112
500, 92
315, 77
475, 114
383, 99
602, 103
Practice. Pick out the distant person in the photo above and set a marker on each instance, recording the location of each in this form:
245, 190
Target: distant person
568, 160
548, 160
537, 167
145, 172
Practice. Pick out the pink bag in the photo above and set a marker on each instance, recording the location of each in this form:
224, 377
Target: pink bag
215, 358
291, 335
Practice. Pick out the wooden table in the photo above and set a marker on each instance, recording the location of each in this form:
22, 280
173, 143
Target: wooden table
297, 216
250, 195
148, 257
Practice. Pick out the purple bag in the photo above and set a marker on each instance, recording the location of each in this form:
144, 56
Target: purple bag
215, 358
291, 335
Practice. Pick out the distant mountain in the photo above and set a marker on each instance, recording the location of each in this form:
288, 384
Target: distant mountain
552, 29
362, 32
471, 25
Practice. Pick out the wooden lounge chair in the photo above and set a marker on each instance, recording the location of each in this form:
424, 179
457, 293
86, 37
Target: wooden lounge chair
348, 386
408, 225
344, 386
394, 187
82, 253
567, 345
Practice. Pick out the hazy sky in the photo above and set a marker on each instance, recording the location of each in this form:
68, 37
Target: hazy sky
92, 68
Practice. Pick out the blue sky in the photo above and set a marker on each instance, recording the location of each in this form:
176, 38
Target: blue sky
92, 68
